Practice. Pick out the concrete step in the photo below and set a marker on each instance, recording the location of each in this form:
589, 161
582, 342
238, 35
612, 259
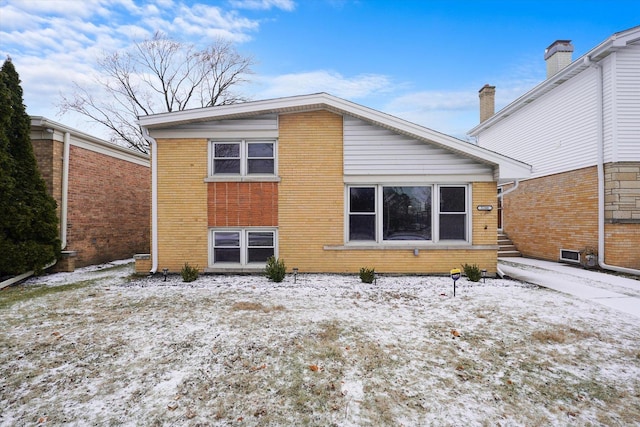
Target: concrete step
506, 248
508, 254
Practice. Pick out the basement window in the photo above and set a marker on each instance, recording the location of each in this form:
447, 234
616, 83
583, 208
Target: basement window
241, 247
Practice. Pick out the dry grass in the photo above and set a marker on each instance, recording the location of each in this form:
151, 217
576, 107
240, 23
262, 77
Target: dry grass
255, 306
337, 353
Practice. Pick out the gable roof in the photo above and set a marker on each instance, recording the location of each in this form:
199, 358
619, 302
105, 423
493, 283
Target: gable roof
507, 168
616, 42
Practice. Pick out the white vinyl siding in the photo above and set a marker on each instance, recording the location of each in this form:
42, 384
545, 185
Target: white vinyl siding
373, 150
555, 133
558, 132
258, 126
627, 103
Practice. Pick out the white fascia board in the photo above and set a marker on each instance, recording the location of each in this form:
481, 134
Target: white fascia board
242, 109
340, 106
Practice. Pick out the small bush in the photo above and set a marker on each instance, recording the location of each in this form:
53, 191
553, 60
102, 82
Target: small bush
367, 275
275, 269
472, 272
188, 273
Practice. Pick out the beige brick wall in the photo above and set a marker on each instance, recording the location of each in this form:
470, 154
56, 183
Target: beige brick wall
561, 211
311, 193
485, 223
311, 208
621, 245
182, 203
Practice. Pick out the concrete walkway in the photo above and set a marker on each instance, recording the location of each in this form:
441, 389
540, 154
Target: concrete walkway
617, 292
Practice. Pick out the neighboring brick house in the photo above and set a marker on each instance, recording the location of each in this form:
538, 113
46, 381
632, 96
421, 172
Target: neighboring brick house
103, 192
321, 182
580, 131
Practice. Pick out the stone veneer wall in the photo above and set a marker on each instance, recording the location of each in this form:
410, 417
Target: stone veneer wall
622, 192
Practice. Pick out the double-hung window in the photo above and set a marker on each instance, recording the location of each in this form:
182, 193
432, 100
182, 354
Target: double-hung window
242, 246
386, 214
453, 213
243, 157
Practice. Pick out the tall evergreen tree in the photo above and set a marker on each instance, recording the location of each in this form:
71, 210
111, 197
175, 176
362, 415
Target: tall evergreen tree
28, 222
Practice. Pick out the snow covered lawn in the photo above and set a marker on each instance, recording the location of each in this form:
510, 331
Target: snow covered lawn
99, 347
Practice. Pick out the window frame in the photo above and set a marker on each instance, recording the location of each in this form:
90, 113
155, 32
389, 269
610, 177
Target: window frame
435, 215
466, 213
244, 157
244, 245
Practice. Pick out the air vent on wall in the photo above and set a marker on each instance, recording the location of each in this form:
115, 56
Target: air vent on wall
569, 255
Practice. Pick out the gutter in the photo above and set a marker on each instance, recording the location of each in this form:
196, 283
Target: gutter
154, 199
600, 165
65, 190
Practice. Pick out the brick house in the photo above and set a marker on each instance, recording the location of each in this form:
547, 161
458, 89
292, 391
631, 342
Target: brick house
103, 193
580, 131
321, 182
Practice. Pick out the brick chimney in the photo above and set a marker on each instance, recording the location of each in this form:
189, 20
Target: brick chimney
487, 102
558, 56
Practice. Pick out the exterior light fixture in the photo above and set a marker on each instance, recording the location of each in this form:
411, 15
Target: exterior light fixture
484, 275
165, 271
295, 274
485, 207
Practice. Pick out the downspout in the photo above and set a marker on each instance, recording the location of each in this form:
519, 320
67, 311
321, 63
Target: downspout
65, 190
154, 199
600, 166
516, 184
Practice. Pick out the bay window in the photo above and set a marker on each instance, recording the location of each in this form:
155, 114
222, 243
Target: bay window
386, 214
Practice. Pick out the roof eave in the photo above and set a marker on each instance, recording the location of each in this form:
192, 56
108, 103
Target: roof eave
341, 106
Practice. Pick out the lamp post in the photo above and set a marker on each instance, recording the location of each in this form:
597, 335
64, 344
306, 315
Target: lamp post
164, 273
484, 275
295, 274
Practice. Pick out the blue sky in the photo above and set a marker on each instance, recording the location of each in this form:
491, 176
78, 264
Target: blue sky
423, 61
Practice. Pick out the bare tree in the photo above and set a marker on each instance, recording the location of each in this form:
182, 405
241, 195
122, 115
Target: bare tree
158, 75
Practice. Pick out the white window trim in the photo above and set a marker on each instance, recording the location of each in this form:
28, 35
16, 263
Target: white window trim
244, 159
435, 216
244, 240
467, 212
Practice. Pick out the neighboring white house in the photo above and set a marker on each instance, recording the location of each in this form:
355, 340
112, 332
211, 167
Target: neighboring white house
580, 131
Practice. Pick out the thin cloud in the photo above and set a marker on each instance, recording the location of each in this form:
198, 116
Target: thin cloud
287, 5
358, 86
